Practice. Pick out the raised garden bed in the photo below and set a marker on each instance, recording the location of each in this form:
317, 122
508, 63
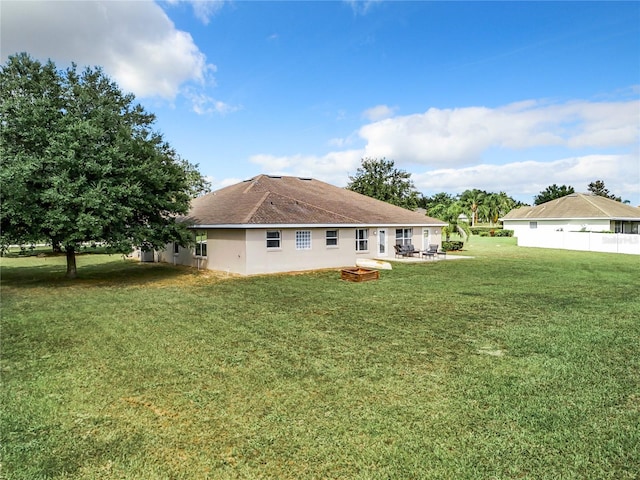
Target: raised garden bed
359, 274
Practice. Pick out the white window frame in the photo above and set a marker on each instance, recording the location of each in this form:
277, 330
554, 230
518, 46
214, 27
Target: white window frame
201, 243
404, 236
276, 236
303, 239
362, 239
533, 225
331, 241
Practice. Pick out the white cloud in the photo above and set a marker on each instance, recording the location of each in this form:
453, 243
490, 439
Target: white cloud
345, 142
621, 174
459, 136
134, 41
334, 167
205, 9
361, 7
217, 184
203, 104
449, 146
379, 112
202, 9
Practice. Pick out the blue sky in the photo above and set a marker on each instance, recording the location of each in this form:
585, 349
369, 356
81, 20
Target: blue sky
501, 96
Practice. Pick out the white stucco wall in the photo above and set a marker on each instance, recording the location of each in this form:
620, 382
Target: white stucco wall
227, 250
287, 258
584, 241
183, 257
521, 227
245, 252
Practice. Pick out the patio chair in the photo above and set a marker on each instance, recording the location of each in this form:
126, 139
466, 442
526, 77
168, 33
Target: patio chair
437, 251
411, 250
431, 252
406, 250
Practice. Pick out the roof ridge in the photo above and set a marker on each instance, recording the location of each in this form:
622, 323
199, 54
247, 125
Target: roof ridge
252, 182
312, 205
592, 203
257, 206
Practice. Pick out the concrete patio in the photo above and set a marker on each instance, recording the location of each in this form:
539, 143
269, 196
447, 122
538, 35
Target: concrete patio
423, 259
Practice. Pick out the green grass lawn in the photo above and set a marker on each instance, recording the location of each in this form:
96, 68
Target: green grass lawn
518, 363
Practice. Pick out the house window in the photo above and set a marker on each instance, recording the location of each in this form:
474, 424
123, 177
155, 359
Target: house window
273, 238
201, 244
362, 239
332, 238
176, 248
626, 227
404, 236
303, 240
533, 225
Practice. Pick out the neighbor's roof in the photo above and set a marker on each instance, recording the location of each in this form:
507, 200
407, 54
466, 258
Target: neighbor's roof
275, 200
577, 206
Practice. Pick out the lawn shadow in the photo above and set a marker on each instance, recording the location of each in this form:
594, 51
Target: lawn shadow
94, 272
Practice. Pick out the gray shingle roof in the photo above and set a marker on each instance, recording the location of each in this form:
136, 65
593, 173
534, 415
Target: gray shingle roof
577, 206
272, 200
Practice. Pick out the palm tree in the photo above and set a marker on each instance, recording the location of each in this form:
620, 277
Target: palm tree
498, 204
483, 212
471, 201
452, 216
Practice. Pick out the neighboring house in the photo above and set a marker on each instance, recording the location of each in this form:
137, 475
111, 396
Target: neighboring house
553, 224
272, 224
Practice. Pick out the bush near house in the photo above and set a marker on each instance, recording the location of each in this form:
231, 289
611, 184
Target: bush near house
452, 245
491, 232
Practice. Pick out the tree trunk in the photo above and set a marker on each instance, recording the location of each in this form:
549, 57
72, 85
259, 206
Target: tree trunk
72, 271
56, 246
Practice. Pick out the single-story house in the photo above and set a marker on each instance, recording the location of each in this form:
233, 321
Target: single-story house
553, 224
271, 224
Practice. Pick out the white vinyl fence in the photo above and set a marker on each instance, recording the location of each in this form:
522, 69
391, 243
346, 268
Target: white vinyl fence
586, 241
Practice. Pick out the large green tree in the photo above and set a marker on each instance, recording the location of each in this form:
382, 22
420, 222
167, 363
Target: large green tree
456, 224
378, 178
498, 205
472, 202
80, 162
551, 193
437, 205
598, 188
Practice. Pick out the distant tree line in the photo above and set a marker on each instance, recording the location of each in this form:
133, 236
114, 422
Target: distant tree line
378, 178
554, 191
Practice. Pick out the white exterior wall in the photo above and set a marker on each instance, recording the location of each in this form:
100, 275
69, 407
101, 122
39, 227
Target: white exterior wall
245, 252
421, 238
584, 241
427, 236
227, 250
521, 227
287, 258
183, 257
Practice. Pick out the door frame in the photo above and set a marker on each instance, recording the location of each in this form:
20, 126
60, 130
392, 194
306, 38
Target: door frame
382, 232
426, 238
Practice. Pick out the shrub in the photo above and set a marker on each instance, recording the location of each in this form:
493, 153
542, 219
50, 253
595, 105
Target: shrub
491, 232
452, 246
481, 231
